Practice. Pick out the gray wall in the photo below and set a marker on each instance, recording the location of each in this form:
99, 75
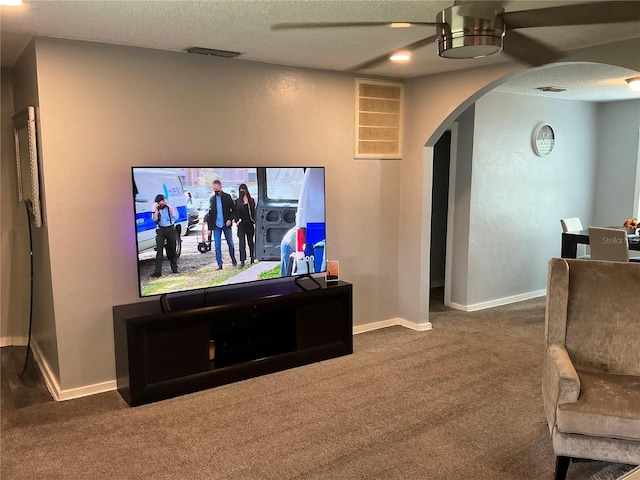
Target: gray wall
105, 108
518, 198
513, 200
16, 279
9, 200
434, 102
462, 208
617, 170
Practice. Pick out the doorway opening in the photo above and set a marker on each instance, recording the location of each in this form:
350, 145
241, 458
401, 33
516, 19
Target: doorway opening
439, 221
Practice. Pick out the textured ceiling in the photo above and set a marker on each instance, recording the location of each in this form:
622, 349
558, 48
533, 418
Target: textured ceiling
244, 26
585, 81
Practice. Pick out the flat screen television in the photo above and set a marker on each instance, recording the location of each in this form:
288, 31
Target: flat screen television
280, 210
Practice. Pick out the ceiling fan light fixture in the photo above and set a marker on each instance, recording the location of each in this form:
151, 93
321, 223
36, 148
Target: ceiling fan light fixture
462, 36
634, 83
469, 46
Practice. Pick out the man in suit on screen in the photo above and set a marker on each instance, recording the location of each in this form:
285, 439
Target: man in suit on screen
222, 211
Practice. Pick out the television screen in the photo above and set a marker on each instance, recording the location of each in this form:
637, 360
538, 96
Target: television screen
204, 227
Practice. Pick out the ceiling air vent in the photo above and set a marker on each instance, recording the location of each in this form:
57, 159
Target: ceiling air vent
379, 115
213, 52
552, 89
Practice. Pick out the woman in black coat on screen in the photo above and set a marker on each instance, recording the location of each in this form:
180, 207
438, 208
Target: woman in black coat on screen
245, 220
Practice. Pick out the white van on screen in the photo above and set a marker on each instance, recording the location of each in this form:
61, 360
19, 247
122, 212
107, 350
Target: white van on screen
147, 183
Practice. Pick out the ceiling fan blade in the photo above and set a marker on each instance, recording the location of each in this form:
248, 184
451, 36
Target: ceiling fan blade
294, 26
383, 58
528, 50
576, 14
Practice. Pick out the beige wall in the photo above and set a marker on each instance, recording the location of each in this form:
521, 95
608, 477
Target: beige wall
104, 108
16, 293
9, 202
618, 162
518, 198
433, 103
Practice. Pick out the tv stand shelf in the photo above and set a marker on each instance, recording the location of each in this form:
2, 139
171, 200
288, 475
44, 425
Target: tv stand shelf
227, 335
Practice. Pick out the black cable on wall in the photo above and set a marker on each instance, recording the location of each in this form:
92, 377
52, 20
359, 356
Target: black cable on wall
26, 357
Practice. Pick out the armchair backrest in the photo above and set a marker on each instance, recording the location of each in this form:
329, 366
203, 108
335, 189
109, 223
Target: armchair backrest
593, 310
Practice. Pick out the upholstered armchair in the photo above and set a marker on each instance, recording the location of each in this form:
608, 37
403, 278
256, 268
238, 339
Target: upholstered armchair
591, 373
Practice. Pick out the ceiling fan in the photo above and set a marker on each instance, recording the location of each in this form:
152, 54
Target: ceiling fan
475, 29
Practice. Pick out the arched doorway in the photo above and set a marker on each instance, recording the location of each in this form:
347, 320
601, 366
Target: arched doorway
508, 201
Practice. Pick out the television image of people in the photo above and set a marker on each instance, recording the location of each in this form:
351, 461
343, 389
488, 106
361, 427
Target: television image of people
203, 227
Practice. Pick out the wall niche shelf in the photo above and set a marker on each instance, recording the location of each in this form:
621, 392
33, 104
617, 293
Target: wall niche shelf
227, 335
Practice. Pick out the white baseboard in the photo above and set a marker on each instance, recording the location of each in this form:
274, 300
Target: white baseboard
456, 306
47, 374
392, 322
498, 301
88, 390
59, 394
419, 327
6, 341
54, 386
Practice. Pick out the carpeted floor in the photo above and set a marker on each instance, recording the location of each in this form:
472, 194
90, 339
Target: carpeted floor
461, 401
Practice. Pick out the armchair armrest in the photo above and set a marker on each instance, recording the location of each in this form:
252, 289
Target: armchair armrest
565, 374
560, 381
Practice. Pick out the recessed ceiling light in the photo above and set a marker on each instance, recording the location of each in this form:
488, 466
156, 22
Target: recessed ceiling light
400, 25
10, 3
634, 83
400, 57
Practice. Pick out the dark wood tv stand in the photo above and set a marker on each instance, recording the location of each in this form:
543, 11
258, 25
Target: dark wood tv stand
227, 334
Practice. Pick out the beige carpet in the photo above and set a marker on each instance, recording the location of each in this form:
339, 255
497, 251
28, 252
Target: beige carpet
461, 401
